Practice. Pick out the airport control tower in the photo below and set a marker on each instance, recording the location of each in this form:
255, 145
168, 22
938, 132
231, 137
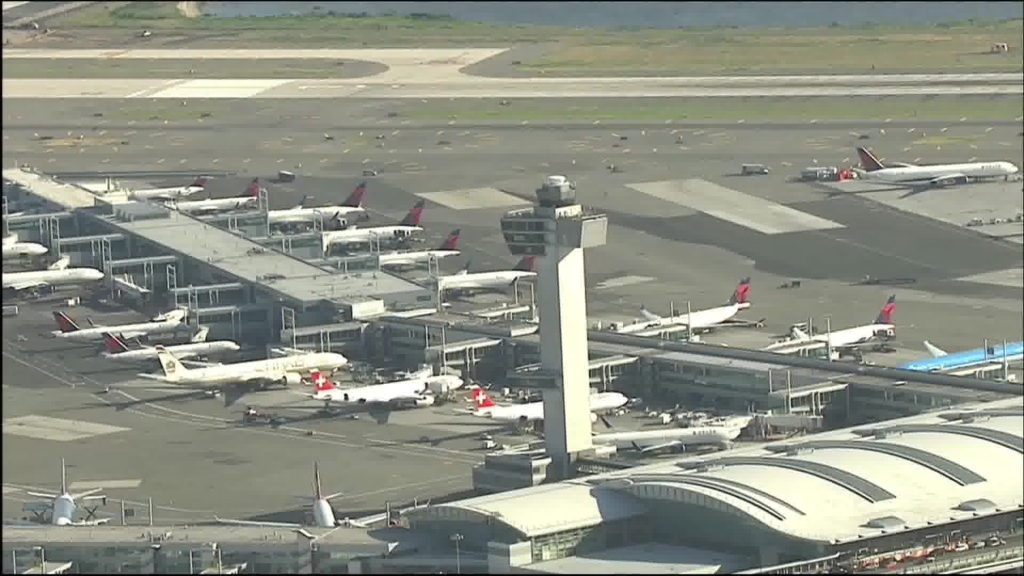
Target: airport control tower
556, 231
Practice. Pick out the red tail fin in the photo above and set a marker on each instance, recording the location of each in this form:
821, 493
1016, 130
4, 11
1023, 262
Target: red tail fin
742, 292
64, 323
355, 199
415, 215
253, 189
526, 264
885, 314
452, 241
114, 345
482, 399
868, 160
322, 382
200, 181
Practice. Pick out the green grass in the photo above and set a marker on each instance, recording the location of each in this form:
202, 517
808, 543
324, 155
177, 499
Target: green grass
947, 48
195, 69
658, 110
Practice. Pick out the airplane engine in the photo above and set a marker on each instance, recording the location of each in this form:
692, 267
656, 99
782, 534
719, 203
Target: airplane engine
291, 379
593, 418
424, 401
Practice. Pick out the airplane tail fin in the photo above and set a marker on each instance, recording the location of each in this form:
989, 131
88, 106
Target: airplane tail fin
200, 182
355, 199
200, 335
800, 335
885, 314
253, 189
172, 368
415, 215
452, 241
321, 382
64, 323
60, 264
526, 264
63, 477
934, 350
113, 343
742, 292
868, 160
318, 493
482, 399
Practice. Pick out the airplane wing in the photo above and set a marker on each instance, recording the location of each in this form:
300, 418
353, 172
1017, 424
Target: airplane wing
232, 522
196, 363
651, 316
948, 180
655, 447
934, 350
28, 285
97, 522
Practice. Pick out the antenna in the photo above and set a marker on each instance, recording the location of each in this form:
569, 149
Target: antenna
317, 493
63, 478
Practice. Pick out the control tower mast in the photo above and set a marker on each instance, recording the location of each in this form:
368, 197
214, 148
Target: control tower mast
556, 231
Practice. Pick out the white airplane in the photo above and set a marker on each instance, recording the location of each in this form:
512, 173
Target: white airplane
846, 340
447, 248
167, 323
416, 392
699, 319
284, 371
198, 185
247, 201
13, 248
63, 507
302, 214
935, 175
57, 274
464, 280
407, 227
534, 411
118, 350
676, 438
323, 513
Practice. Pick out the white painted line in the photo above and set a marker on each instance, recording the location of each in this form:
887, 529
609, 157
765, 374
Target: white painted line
473, 198
733, 206
622, 281
104, 484
12, 5
1014, 278
56, 429
10, 490
210, 88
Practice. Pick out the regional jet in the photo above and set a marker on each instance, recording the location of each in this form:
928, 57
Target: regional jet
339, 214
323, 512
247, 201
116, 349
14, 248
166, 323
198, 185
645, 441
62, 506
936, 175
450, 247
466, 281
846, 340
700, 319
282, 371
416, 392
57, 274
404, 229
534, 411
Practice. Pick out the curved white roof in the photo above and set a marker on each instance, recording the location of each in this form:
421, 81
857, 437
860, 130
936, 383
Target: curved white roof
832, 486
546, 509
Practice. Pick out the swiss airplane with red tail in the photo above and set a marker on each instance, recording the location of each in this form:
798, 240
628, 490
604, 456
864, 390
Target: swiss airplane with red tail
416, 392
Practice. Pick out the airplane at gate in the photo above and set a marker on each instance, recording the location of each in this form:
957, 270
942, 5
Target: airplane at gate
447, 248
936, 175
247, 201
166, 323
63, 506
944, 361
464, 280
284, 371
533, 411
407, 227
699, 319
672, 438
197, 185
302, 214
323, 512
14, 248
414, 392
57, 274
116, 349
846, 340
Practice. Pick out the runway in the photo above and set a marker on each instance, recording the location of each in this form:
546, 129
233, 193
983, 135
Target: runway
419, 74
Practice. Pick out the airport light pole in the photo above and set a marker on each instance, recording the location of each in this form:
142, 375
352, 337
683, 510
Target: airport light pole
458, 558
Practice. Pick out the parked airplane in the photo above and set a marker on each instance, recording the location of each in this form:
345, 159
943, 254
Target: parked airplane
447, 248
934, 175
198, 185
416, 392
118, 350
943, 361
407, 227
62, 506
464, 280
847, 340
675, 438
166, 323
284, 371
57, 274
699, 319
247, 201
14, 248
533, 411
323, 513
302, 214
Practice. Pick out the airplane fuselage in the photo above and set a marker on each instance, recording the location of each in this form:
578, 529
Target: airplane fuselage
696, 320
857, 335
127, 330
300, 215
414, 258
38, 278
19, 249
923, 174
214, 205
483, 280
168, 193
411, 389
64, 510
179, 351
259, 370
533, 411
674, 436
367, 235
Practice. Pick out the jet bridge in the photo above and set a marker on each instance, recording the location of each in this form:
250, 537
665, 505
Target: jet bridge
209, 295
